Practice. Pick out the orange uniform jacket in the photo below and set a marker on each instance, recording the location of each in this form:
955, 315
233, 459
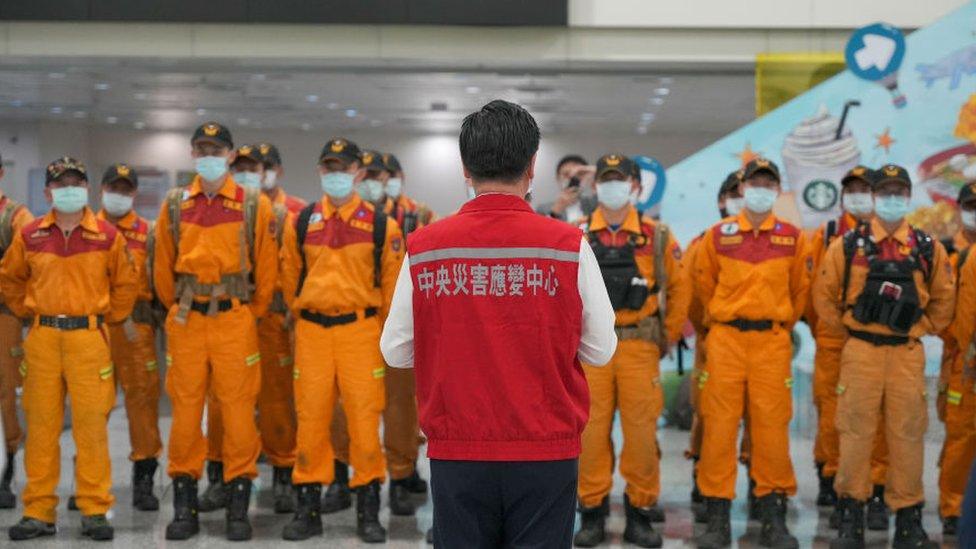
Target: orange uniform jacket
696, 311
936, 296
20, 219
818, 248
396, 208
210, 243
135, 229
293, 204
46, 273
339, 257
753, 273
678, 292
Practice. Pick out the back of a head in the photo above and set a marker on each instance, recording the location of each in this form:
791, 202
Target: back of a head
498, 142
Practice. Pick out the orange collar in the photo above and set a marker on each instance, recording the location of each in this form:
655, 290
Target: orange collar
127, 221
746, 225
227, 190
849, 221
631, 223
345, 211
879, 232
88, 221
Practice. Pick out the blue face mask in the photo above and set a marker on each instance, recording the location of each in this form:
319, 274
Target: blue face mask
248, 179
211, 168
760, 200
394, 187
891, 208
337, 184
614, 194
371, 190
69, 200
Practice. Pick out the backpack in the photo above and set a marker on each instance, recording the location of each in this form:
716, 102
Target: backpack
379, 240
7, 212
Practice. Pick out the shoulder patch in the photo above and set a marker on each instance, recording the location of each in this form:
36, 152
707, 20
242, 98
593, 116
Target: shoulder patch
315, 217
729, 228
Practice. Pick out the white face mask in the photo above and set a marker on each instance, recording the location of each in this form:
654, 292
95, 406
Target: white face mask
968, 218
614, 194
270, 179
248, 179
858, 203
394, 186
116, 204
734, 205
759, 199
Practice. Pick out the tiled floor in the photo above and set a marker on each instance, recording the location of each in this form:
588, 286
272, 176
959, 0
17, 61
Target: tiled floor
137, 529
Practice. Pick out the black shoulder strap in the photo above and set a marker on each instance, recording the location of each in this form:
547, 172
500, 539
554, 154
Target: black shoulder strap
850, 248
949, 245
830, 232
379, 241
301, 230
924, 249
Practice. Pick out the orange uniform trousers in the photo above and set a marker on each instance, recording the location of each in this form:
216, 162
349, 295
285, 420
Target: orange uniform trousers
11, 355
277, 424
695, 438
401, 431
215, 355
342, 359
137, 371
957, 408
757, 363
630, 383
826, 446
79, 362
876, 380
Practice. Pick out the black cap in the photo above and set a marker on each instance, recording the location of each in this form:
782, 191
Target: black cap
250, 152
858, 173
392, 164
732, 181
62, 166
120, 171
758, 165
891, 172
372, 160
614, 162
340, 148
967, 192
214, 132
272, 158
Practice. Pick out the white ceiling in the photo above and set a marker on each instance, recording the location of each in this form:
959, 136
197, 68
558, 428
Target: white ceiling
171, 95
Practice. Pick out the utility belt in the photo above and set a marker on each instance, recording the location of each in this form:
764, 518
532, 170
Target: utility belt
744, 325
278, 305
879, 340
648, 329
234, 286
327, 321
68, 323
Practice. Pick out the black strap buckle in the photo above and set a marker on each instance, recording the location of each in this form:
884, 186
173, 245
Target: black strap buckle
744, 325
203, 307
327, 321
879, 340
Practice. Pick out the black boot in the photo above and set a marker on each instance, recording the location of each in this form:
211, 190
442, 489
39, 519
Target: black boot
415, 484
307, 521
368, 526
400, 502
29, 528
593, 525
639, 530
834, 520
281, 488
338, 496
850, 534
772, 512
143, 498
8, 500
950, 526
827, 496
215, 496
909, 533
72, 503
753, 501
186, 522
430, 536
696, 496
719, 532
97, 528
238, 500
877, 512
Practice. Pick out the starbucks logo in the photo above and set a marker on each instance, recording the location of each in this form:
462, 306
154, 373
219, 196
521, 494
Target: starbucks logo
820, 195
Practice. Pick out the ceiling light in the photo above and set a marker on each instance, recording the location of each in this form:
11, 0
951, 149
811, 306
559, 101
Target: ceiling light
56, 75
111, 120
666, 80
657, 101
258, 77
662, 91
142, 96
642, 130
56, 110
472, 89
306, 126
332, 106
647, 116
139, 125
201, 112
102, 86
312, 98
242, 121
351, 113
80, 114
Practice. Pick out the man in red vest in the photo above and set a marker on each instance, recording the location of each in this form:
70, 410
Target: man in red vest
494, 309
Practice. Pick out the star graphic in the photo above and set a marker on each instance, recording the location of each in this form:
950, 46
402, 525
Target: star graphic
885, 141
746, 155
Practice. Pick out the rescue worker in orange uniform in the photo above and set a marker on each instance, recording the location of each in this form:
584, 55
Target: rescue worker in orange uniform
729, 203
630, 250
887, 284
339, 269
276, 401
752, 275
957, 401
401, 433
13, 217
274, 171
72, 274
134, 340
215, 270
857, 207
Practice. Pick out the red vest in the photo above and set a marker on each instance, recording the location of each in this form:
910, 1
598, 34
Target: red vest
497, 320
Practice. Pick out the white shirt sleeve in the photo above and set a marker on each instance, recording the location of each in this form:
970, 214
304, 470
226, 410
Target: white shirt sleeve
396, 342
598, 341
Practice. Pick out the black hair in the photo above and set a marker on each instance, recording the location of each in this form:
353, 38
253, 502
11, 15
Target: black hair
498, 142
570, 158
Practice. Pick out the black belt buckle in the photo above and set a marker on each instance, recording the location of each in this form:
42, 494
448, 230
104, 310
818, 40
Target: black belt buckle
327, 321
203, 307
744, 325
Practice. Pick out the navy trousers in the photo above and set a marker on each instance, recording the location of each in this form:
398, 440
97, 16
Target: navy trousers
511, 505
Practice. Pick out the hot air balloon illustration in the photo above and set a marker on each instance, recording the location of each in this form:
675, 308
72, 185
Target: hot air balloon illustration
875, 53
